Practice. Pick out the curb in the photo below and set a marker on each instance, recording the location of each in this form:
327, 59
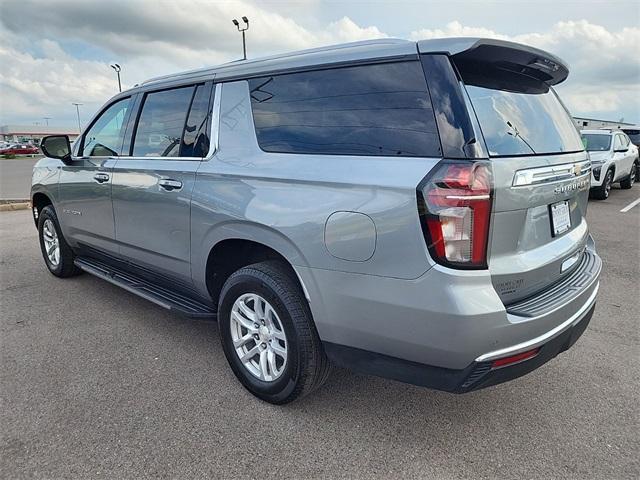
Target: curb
9, 207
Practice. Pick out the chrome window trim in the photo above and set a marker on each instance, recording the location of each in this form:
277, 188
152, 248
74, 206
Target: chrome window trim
551, 174
215, 122
166, 159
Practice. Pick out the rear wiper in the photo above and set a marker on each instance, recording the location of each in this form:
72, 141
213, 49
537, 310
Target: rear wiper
516, 134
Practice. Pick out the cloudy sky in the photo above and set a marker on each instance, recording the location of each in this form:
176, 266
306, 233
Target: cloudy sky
53, 53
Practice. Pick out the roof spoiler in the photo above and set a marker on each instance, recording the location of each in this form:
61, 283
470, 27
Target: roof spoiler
502, 55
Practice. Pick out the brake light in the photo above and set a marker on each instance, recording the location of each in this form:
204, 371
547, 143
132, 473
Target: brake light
455, 210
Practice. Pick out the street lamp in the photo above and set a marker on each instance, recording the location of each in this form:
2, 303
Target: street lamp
117, 68
242, 29
78, 112
46, 119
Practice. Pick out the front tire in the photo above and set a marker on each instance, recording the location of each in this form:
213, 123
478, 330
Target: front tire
268, 335
629, 181
57, 254
602, 192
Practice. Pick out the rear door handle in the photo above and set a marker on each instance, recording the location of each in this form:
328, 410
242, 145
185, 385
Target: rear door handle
101, 177
169, 184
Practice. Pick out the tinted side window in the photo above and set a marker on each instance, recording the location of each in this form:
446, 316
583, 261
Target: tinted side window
195, 142
104, 138
364, 110
161, 122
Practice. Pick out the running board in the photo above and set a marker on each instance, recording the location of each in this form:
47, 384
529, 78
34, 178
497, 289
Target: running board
143, 288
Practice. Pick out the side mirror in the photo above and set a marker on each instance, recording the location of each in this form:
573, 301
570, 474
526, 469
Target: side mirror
57, 146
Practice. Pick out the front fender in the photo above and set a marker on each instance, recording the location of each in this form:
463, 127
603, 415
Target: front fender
45, 179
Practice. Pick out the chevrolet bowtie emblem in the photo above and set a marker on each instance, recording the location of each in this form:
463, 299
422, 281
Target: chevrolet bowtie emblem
577, 169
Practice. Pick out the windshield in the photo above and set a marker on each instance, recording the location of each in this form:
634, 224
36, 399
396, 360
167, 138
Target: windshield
594, 142
524, 123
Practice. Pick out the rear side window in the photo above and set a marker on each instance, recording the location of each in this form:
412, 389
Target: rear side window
161, 123
195, 141
380, 109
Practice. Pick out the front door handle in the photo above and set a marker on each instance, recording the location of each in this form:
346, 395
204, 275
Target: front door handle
169, 184
101, 177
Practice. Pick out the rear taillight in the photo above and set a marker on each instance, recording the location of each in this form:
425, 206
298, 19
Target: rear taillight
455, 209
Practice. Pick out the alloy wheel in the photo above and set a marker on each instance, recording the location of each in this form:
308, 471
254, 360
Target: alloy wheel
607, 184
51, 242
258, 337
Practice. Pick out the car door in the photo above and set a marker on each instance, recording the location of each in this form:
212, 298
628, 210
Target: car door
85, 211
621, 157
152, 187
629, 154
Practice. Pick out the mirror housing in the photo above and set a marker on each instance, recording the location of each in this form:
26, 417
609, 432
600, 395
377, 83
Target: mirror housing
57, 146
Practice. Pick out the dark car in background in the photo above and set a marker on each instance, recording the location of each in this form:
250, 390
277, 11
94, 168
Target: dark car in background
634, 136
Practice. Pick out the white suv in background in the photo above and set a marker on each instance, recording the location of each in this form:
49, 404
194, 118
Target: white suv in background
613, 159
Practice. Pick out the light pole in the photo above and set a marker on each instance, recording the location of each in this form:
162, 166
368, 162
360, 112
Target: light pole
117, 68
46, 119
78, 112
242, 29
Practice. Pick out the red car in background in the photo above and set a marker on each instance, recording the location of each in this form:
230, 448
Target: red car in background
20, 150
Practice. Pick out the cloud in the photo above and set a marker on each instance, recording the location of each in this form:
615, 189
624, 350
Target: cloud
65, 53
37, 86
147, 38
454, 29
173, 29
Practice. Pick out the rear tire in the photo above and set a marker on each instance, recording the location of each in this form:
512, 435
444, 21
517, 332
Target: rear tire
57, 254
630, 180
260, 304
602, 192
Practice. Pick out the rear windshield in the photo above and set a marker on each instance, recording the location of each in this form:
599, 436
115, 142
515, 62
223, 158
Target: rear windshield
519, 123
594, 142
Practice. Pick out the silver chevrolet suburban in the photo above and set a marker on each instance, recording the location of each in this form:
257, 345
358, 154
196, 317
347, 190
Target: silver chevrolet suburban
409, 210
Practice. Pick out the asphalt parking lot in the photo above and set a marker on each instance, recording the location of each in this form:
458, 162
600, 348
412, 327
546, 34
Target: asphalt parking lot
95, 382
15, 177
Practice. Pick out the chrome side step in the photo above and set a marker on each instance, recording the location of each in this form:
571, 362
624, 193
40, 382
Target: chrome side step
154, 293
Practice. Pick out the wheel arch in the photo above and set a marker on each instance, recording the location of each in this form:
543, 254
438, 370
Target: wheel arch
39, 200
235, 245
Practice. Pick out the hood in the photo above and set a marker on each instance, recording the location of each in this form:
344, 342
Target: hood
599, 157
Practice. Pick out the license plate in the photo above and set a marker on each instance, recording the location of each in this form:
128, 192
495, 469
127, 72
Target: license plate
560, 218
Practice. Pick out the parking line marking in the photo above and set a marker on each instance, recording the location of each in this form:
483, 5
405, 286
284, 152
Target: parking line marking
630, 206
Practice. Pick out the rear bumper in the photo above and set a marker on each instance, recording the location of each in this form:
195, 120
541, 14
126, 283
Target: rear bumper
477, 375
444, 329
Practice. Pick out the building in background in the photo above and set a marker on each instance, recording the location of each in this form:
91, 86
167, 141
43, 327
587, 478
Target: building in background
33, 133
595, 123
